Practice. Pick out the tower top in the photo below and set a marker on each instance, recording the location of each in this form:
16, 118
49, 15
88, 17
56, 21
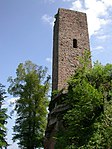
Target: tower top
69, 10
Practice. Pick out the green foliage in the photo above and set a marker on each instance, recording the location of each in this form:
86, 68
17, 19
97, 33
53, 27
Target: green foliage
3, 118
56, 93
88, 122
31, 85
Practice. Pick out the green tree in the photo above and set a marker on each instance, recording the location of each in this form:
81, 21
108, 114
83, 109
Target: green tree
31, 85
88, 121
3, 118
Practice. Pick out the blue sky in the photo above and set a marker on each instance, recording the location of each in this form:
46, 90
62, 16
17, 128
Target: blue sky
26, 33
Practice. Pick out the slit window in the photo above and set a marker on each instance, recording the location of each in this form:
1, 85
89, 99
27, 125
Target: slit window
74, 43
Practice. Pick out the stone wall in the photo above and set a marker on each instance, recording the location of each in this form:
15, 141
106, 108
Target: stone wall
69, 42
69, 25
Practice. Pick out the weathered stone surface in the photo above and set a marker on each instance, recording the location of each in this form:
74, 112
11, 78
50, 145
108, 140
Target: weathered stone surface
69, 25
69, 42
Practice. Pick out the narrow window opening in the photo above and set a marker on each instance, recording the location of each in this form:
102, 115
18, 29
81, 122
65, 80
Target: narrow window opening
74, 43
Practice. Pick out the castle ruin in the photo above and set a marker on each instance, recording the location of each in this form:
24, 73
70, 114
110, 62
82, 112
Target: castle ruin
69, 42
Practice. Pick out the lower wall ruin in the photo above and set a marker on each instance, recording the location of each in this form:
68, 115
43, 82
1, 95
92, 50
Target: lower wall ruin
55, 120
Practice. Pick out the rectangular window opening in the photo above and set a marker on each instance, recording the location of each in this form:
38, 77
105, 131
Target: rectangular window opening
74, 43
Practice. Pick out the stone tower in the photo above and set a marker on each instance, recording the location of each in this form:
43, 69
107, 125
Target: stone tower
69, 41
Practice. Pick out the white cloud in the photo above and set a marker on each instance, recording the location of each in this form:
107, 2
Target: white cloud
49, 60
99, 48
48, 19
97, 11
108, 3
94, 22
98, 7
77, 5
102, 37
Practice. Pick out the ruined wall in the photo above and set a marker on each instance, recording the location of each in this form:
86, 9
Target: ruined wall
69, 41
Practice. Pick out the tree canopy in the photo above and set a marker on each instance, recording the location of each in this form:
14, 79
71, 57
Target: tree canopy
3, 118
31, 86
88, 121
